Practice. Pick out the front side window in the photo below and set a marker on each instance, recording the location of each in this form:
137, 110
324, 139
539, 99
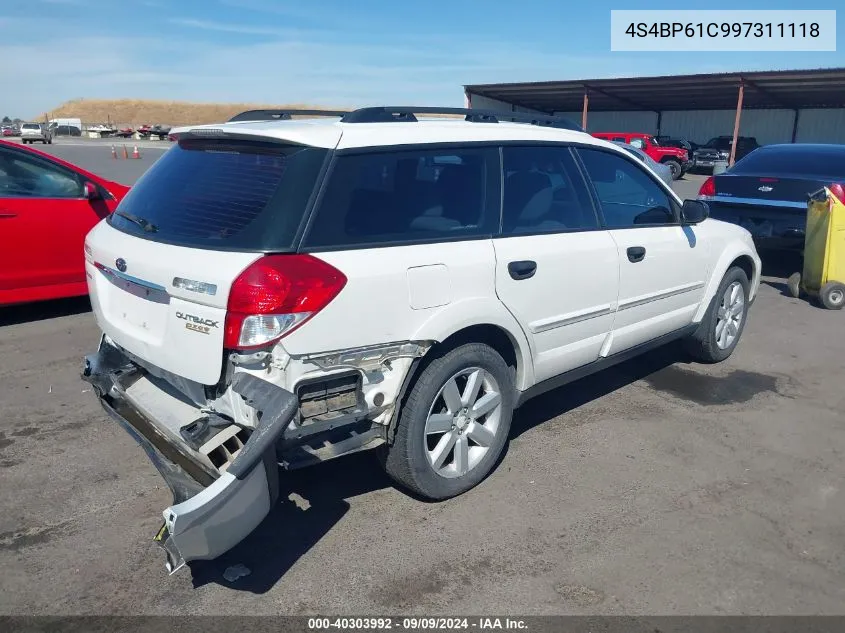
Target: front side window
628, 195
544, 192
394, 197
23, 176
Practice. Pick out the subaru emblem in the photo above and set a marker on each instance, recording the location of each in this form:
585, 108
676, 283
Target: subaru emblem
121, 264
764, 189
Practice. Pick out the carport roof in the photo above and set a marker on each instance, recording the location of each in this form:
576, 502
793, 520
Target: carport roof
792, 89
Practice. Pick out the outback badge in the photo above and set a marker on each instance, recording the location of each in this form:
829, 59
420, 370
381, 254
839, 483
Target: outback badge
197, 324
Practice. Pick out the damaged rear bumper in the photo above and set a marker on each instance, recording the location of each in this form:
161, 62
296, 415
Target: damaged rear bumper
211, 511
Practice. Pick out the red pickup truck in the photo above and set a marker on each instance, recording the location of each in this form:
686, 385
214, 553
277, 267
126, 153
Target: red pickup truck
675, 158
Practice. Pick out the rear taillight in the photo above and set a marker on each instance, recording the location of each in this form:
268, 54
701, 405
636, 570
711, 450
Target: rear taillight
839, 191
708, 188
275, 295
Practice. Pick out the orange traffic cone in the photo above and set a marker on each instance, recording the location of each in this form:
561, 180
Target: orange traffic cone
113, 152
136, 153
125, 153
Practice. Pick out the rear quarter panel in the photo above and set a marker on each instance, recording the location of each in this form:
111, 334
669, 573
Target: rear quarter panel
421, 292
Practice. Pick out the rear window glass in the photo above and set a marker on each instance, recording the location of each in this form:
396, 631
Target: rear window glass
794, 160
393, 197
31, 126
223, 195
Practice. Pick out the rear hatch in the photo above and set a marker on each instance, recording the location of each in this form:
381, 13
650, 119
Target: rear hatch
161, 267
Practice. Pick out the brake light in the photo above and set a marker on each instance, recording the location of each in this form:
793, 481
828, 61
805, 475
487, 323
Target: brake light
275, 295
708, 188
837, 190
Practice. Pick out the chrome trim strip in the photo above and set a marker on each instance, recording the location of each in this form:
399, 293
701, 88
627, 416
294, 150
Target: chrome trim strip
761, 202
552, 323
140, 282
639, 301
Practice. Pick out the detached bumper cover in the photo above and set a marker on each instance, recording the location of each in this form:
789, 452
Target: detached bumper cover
212, 512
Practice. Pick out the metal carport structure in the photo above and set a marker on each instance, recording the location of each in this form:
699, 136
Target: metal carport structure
788, 90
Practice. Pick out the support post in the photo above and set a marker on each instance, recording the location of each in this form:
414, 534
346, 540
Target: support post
736, 123
659, 122
795, 126
584, 111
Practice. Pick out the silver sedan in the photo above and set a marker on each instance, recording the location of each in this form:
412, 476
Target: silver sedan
662, 171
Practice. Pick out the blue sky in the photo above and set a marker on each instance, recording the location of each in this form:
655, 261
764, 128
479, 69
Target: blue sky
328, 52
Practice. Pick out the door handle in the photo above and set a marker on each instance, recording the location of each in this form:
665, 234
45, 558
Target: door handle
522, 269
636, 254
7, 214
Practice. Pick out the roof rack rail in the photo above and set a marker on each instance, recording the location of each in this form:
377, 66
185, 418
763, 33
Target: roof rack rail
282, 115
387, 114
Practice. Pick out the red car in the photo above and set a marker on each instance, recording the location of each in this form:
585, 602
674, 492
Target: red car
47, 207
675, 158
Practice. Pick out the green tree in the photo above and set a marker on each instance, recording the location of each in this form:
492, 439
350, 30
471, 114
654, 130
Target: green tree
6, 119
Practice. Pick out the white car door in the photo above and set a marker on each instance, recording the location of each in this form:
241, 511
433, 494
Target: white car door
556, 268
663, 266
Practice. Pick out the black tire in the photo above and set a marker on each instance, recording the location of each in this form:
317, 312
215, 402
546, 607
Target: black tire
675, 166
832, 295
702, 345
406, 460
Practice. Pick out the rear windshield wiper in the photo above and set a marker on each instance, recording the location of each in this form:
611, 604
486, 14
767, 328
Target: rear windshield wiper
148, 226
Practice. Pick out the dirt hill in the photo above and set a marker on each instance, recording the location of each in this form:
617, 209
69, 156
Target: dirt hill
136, 112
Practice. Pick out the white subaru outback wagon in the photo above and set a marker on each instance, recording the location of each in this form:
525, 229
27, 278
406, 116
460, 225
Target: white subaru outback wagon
278, 291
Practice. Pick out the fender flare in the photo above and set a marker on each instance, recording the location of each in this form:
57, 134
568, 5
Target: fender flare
728, 256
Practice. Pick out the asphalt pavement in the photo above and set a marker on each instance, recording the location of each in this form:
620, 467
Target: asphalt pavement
95, 156
657, 487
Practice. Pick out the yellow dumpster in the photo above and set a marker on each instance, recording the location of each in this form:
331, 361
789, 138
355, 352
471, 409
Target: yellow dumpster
823, 277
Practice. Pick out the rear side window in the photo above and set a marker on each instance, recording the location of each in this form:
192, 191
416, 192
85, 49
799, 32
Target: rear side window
223, 195
794, 160
395, 197
544, 192
628, 195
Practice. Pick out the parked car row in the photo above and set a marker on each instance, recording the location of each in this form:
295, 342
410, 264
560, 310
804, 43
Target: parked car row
675, 158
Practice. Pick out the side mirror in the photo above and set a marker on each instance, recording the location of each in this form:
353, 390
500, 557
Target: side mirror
91, 191
694, 211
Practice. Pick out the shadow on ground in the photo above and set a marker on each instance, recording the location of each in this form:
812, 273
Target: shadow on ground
777, 266
311, 502
31, 312
314, 500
